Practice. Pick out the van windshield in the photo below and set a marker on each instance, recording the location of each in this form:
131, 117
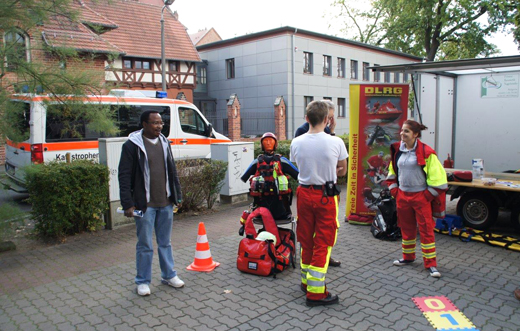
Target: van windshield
62, 127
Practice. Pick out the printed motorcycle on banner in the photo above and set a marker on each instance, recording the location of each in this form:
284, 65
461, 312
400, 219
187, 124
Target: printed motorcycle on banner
377, 112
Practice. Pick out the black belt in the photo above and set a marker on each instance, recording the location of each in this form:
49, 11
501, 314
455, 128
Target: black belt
316, 187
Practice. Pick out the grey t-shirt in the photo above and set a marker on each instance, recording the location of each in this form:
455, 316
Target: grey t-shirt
411, 176
155, 154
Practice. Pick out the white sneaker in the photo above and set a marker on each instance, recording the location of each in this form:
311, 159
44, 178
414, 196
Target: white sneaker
402, 262
143, 290
174, 282
434, 272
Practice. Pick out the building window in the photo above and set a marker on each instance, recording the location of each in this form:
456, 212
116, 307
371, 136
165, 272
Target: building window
377, 74
397, 76
405, 78
307, 63
174, 66
341, 107
353, 69
366, 72
16, 48
306, 101
129, 63
341, 67
230, 68
201, 75
387, 77
327, 65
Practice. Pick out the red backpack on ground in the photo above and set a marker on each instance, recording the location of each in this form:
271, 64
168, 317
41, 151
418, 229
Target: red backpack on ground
262, 257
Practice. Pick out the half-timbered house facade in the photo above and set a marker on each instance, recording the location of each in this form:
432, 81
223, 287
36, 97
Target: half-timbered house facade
123, 40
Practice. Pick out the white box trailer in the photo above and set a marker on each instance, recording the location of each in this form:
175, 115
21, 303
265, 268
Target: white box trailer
472, 110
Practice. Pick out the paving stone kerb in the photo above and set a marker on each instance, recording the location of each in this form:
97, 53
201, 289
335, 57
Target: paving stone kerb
88, 284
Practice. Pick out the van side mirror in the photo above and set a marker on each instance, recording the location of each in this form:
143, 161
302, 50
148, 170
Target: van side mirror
209, 130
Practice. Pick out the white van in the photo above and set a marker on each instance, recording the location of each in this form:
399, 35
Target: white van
188, 130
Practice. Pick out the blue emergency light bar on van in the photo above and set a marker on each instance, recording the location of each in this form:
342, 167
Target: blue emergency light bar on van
138, 93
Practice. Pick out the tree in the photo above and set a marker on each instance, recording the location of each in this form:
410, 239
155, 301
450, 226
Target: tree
433, 29
516, 30
29, 65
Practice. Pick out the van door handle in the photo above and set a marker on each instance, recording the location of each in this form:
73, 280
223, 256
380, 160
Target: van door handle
16, 152
184, 141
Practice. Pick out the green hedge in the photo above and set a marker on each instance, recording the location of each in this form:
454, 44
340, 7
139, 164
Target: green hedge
67, 198
284, 149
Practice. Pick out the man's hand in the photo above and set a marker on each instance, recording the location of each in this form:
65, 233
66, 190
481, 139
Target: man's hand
129, 212
341, 168
332, 123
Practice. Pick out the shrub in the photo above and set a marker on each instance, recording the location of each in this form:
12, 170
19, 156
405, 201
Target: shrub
67, 198
213, 173
201, 180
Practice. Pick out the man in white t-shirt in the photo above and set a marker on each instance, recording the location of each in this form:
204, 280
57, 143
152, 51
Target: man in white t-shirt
321, 158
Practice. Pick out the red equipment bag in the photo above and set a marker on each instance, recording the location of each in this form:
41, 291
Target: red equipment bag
261, 257
460, 176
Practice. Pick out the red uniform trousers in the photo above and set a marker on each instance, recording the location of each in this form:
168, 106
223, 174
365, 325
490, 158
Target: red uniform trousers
413, 208
317, 232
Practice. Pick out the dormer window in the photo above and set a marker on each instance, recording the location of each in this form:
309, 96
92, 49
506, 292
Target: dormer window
16, 48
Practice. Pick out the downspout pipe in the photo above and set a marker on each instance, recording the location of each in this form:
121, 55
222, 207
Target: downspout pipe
293, 110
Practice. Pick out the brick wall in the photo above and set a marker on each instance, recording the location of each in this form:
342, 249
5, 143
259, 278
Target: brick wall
2, 151
233, 113
280, 115
210, 37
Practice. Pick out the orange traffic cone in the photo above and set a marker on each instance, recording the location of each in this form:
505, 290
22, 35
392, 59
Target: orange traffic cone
203, 260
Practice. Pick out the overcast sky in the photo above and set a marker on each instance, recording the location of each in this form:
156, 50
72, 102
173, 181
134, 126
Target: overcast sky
233, 18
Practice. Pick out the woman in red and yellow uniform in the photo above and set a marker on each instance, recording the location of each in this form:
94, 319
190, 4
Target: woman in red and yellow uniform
418, 181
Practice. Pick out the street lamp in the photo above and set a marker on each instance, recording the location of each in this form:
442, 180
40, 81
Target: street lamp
163, 60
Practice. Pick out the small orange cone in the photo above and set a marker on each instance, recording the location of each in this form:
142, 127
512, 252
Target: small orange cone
203, 260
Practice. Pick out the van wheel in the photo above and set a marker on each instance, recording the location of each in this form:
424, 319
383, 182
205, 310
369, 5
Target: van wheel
478, 210
515, 217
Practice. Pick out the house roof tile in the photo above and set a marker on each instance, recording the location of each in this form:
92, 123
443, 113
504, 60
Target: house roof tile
139, 30
131, 27
196, 37
61, 32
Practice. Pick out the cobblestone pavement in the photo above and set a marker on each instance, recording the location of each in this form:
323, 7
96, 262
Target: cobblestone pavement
87, 284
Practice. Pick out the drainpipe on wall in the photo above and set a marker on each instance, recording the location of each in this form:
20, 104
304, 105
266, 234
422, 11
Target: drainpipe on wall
454, 120
292, 84
437, 110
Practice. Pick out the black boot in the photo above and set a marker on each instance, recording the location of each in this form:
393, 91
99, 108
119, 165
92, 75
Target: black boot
333, 262
329, 300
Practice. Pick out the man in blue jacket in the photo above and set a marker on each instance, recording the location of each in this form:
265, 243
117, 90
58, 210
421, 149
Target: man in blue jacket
148, 182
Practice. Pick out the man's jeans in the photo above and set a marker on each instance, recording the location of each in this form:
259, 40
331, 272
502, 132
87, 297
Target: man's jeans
161, 219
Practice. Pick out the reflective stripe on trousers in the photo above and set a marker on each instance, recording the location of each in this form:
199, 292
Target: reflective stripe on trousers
317, 233
413, 209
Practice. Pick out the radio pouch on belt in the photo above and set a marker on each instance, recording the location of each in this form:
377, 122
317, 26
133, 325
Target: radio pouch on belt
332, 189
